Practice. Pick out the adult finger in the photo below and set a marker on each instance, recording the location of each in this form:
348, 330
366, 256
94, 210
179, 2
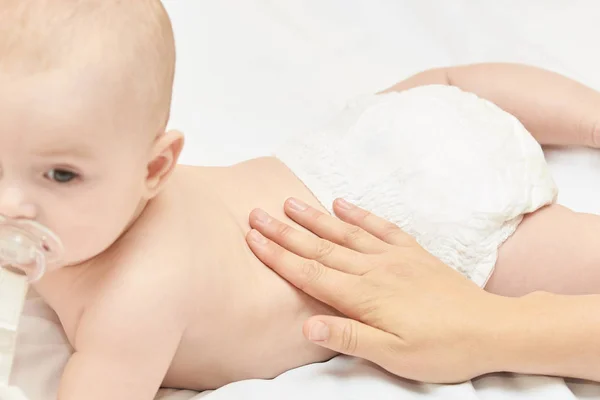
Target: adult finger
308, 246
338, 289
353, 338
331, 228
371, 223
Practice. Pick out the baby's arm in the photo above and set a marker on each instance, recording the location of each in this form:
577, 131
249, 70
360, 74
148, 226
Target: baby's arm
553, 250
125, 344
555, 110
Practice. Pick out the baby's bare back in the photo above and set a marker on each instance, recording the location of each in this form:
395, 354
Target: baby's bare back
240, 319
248, 321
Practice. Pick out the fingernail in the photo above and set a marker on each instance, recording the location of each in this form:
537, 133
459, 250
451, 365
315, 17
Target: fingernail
318, 332
297, 205
256, 237
344, 204
262, 217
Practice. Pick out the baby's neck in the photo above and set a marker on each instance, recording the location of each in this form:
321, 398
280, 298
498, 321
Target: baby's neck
143, 204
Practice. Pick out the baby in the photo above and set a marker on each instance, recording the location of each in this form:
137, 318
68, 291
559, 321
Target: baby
158, 286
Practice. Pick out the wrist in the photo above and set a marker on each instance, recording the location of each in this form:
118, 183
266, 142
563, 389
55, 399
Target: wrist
517, 334
514, 338
544, 334
500, 333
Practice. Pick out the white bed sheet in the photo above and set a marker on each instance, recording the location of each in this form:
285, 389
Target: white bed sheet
252, 72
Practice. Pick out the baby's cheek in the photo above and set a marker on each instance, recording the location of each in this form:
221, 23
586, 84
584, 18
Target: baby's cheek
96, 223
85, 241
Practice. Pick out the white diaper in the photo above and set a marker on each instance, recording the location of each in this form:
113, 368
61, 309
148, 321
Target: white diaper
453, 170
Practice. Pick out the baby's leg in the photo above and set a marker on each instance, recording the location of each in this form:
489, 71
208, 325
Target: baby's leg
554, 250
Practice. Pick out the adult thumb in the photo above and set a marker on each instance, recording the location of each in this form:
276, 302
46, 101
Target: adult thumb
353, 338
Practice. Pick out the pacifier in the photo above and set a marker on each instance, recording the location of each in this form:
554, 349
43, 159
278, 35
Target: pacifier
28, 247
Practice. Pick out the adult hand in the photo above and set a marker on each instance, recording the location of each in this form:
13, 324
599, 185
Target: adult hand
408, 312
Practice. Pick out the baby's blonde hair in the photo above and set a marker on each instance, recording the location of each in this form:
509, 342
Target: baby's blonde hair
125, 45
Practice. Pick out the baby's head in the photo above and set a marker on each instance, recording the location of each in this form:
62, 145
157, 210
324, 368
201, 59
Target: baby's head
85, 93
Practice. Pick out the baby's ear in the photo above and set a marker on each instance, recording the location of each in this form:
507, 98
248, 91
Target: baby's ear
165, 153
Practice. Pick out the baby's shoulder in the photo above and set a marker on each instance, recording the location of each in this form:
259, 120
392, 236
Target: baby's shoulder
138, 274
120, 295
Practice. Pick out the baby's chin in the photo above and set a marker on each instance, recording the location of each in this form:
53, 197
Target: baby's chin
71, 261
95, 244
74, 256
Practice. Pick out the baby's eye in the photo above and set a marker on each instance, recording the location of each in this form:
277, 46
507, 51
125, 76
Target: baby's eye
61, 175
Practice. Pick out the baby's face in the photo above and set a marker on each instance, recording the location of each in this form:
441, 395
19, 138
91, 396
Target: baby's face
68, 162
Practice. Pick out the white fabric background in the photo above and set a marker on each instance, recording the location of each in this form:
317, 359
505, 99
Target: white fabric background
251, 72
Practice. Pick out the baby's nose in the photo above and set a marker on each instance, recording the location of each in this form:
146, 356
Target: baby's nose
13, 204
